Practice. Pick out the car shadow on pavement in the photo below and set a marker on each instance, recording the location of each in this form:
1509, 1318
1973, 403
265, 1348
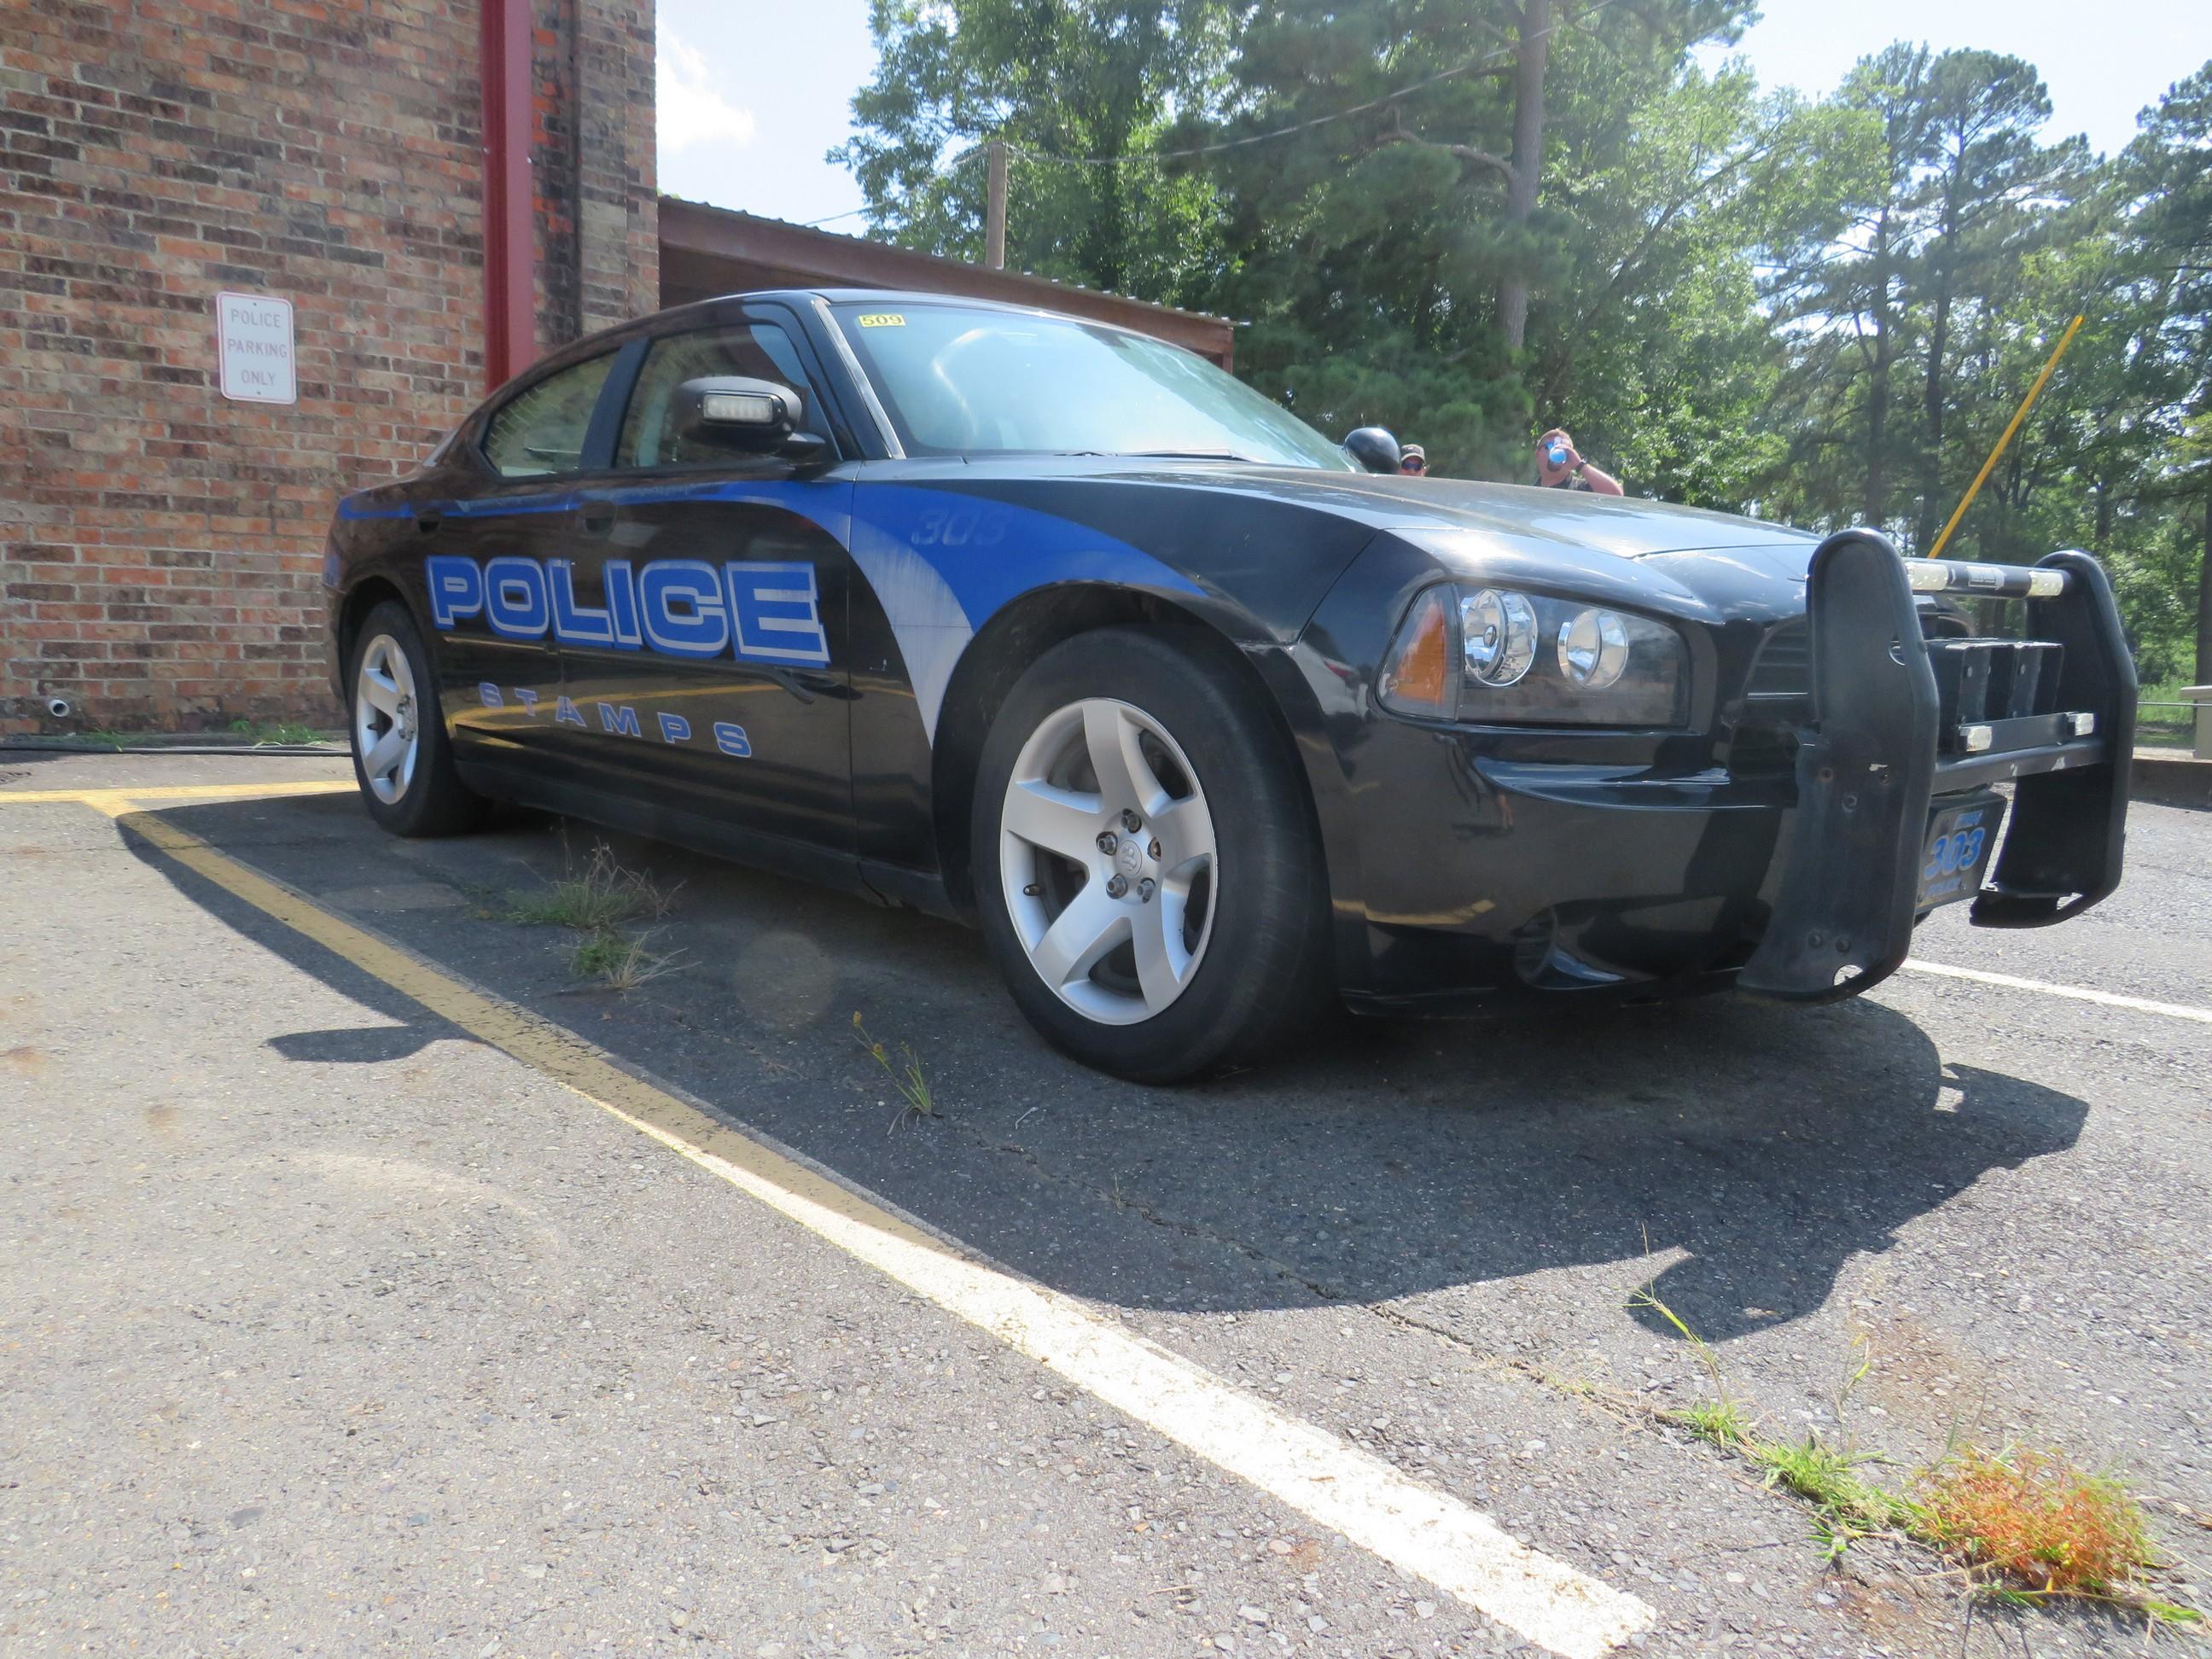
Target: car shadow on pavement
1761, 1147
359, 1045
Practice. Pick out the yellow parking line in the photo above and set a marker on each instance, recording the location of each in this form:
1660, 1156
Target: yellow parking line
90, 797
1415, 1528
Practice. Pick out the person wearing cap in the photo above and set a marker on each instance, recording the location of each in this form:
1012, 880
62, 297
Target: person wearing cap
1413, 461
1559, 466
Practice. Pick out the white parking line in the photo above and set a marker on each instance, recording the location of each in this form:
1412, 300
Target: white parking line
1424, 1531
2078, 993
1369, 1501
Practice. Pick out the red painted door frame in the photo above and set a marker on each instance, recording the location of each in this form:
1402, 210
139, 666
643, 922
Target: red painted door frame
510, 264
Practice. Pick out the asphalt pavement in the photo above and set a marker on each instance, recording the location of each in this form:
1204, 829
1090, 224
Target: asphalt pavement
331, 1322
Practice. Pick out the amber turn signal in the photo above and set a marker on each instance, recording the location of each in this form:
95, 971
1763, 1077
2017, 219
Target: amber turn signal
1417, 676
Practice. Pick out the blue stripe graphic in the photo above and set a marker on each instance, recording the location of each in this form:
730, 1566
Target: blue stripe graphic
941, 563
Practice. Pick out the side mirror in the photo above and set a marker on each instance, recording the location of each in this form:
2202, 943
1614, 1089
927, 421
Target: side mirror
733, 412
1373, 448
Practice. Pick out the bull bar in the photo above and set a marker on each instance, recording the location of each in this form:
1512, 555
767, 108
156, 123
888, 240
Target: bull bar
1886, 738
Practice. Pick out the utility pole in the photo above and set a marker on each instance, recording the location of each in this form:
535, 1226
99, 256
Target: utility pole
994, 212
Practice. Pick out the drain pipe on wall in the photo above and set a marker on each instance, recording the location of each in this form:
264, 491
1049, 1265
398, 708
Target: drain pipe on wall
510, 342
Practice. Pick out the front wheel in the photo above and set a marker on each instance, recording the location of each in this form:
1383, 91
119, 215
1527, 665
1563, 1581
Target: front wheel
1146, 867
402, 758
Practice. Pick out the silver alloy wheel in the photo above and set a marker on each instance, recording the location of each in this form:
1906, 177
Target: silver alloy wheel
1107, 857
386, 732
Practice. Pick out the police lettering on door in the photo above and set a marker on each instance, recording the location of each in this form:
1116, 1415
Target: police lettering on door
686, 608
616, 719
765, 613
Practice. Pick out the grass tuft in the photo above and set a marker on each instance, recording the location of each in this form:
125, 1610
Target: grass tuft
284, 731
2032, 1522
1846, 1506
906, 1076
603, 896
1720, 1421
2028, 1527
618, 961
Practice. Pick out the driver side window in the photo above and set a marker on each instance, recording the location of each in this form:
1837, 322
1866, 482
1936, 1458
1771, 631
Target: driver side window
540, 431
761, 351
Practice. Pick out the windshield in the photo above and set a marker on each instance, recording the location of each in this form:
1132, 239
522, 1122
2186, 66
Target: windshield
958, 380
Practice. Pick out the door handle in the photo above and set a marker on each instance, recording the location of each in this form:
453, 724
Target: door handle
598, 521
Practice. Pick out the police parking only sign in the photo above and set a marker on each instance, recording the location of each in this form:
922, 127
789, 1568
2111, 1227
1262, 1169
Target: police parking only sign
254, 343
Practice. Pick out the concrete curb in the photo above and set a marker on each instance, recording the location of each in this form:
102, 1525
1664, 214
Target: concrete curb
2173, 778
157, 743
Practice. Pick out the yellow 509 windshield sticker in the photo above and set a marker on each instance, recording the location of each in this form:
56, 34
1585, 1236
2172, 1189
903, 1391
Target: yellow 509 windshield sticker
882, 319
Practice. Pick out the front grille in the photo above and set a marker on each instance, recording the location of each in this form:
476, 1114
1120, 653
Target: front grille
1784, 666
1980, 679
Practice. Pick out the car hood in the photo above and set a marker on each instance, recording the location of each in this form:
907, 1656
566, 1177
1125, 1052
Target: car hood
1714, 566
1622, 526
1520, 514
1680, 561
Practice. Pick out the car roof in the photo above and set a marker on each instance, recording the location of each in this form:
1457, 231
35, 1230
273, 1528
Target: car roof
590, 345
877, 297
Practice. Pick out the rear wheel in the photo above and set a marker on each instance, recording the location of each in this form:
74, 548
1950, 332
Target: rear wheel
402, 758
1144, 868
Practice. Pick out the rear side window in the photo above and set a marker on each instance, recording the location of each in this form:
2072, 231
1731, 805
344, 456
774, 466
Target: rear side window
541, 431
761, 351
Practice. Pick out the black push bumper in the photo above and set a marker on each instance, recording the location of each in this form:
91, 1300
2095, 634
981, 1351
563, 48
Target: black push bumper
1888, 736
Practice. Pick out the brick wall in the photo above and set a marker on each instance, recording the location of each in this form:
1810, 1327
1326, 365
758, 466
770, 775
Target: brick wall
160, 545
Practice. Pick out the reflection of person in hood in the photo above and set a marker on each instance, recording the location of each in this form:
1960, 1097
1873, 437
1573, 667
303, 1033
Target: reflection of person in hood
1559, 466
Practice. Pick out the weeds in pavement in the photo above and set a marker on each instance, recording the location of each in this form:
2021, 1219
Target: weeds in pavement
2024, 1527
618, 961
603, 895
118, 741
906, 1076
284, 731
596, 902
1700, 1348
2030, 1525
1723, 1422
1846, 1506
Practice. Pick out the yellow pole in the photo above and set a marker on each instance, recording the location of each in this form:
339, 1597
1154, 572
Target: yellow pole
2018, 415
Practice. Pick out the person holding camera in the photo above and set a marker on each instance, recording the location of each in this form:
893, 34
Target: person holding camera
1559, 466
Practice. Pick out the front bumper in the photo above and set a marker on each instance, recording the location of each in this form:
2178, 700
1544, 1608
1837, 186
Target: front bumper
1878, 749
1476, 862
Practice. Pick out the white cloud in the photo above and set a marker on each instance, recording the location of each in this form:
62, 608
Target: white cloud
689, 110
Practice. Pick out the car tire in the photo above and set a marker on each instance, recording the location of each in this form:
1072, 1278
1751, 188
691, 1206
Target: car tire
1196, 941
403, 759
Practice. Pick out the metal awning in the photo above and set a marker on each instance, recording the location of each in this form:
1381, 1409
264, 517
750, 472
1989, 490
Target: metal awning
707, 251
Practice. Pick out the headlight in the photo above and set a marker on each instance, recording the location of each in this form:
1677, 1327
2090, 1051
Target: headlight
1497, 635
1523, 659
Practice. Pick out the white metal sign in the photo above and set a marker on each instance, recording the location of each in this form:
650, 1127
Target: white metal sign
253, 341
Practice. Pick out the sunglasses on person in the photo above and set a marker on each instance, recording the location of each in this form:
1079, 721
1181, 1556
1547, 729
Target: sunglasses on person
1412, 464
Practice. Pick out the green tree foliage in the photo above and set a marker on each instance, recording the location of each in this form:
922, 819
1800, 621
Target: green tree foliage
1090, 78
1462, 226
1893, 307
2166, 178
1466, 220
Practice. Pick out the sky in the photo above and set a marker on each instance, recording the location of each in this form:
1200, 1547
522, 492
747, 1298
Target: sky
751, 93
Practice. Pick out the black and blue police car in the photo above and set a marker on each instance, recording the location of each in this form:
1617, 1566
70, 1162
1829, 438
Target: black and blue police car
1201, 717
